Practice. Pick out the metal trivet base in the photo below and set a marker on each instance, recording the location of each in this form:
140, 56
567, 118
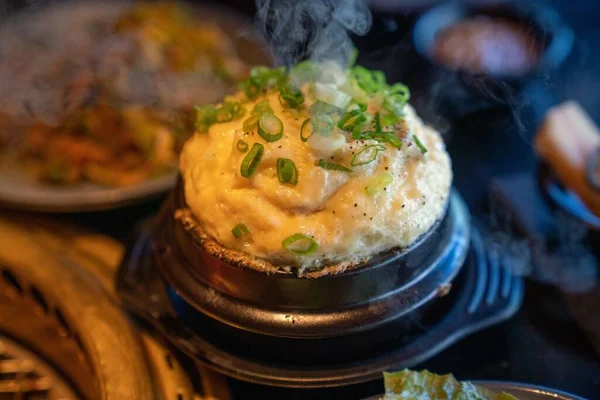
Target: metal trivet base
484, 293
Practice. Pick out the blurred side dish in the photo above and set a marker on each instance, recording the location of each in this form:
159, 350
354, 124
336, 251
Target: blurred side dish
129, 112
412, 385
107, 145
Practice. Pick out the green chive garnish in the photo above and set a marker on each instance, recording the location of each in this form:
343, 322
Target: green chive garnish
286, 171
383, 137
378, 122
270, 127
250, 123
205, 117
262, 107
240, 230
251, 160
300, 244
334, 167
420, 144
379, 183
351, 119
322, 124
242, 146
290, 96
366, 155
306, 130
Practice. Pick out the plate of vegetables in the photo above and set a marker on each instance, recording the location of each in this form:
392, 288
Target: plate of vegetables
93, 117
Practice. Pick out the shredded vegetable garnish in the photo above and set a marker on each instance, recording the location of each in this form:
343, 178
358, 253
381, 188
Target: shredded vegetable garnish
420, 144
334, 167
366, 155
242, 146
251, 160
286, 171
300, 244
240, 230
306, 130
378, 183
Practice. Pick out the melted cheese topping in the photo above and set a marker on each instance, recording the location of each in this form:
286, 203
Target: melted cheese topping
331, 206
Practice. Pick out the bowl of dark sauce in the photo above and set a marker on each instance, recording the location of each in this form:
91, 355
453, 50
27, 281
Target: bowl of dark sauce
482, 54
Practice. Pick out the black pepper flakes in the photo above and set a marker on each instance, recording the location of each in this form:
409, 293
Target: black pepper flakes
365, 214
403, 205
386, 168
279, 146
355, 205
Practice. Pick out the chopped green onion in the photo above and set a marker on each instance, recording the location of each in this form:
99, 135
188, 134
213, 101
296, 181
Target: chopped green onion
383, 137
357, 106
379, 183
306, 130
330, 94
351, 119
240, 230
270, 127
261, 107
205, 117
366, 155
250, 123
250, 89
320, 107
370, 81
242, 146
377, 122
400, 92
322, 124
300, 244
266, 78
261, 80
251, 160
420, 144
290, 96
229, 111
286, 171
304, 71
335, 167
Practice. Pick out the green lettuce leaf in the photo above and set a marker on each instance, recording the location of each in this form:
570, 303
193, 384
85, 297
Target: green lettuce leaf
424, 385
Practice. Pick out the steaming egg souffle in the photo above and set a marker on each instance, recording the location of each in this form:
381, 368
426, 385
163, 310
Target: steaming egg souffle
317, 169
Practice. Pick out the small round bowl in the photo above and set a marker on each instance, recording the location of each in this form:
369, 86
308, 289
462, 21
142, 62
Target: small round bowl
463, 91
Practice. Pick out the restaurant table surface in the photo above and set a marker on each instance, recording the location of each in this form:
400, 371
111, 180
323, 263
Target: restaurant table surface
542, 344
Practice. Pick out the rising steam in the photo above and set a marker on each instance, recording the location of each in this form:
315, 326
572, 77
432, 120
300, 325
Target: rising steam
315, 29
